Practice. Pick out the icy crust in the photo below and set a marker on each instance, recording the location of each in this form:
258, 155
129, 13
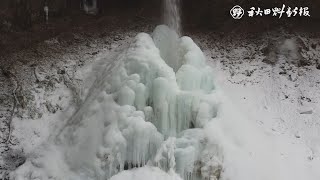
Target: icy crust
148, 173
144, 113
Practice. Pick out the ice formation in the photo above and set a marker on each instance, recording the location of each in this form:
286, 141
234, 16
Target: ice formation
148, 108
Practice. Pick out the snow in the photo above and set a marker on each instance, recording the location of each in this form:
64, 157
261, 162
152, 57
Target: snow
273, 102
158, 111
150, 173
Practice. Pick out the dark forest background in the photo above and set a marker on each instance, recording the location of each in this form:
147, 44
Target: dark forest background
212, 14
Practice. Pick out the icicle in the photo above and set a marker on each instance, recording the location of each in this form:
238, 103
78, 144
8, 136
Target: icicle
165, 157
140, 100
46, 11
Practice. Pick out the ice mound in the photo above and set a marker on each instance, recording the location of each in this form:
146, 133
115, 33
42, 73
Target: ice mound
149, 107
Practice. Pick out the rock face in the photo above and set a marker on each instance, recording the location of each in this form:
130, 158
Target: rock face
271, 53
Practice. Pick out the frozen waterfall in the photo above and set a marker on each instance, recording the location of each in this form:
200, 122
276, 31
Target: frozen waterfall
148, 109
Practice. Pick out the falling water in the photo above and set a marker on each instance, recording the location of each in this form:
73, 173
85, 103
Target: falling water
169, 45
172, 15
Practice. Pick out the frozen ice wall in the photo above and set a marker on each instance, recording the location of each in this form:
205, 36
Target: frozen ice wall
148, 108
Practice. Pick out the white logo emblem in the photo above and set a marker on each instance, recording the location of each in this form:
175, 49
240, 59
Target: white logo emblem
237, 12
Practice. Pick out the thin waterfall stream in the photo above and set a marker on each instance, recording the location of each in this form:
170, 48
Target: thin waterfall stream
172, 16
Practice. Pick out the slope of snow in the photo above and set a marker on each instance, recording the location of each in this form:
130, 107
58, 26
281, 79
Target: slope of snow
292, 134
282, 100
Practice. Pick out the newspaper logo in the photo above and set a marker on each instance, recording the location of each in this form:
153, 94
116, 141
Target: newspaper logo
237, 12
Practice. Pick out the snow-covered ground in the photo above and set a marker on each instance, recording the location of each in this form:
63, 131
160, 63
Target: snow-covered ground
283, 102
263, 122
